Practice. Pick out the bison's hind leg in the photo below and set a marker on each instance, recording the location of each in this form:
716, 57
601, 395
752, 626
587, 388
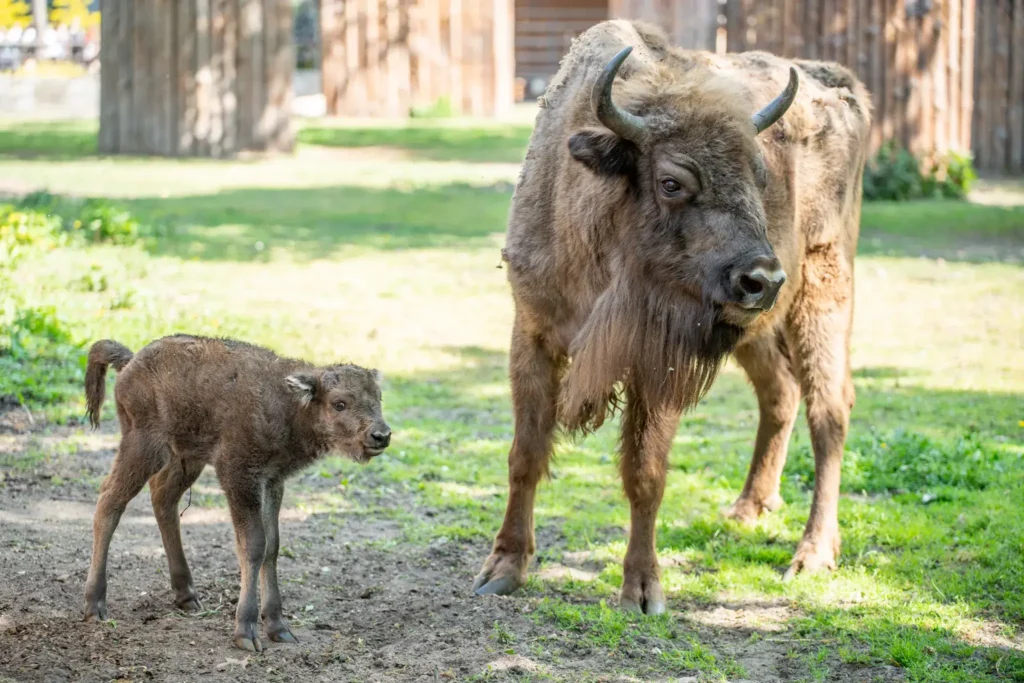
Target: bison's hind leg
767, 364
140, 455
166, 489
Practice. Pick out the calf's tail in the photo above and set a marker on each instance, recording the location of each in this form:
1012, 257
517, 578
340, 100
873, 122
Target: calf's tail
102, 354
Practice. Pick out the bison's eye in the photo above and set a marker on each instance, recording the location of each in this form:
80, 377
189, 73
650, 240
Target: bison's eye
670, 186
340, 406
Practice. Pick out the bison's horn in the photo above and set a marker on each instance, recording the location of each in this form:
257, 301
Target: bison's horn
619, 121
777, 107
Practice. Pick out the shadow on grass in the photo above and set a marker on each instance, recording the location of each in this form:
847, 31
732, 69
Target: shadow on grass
431, 142
248, 224
955, 231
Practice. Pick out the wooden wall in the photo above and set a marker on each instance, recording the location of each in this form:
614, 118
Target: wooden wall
998, 125
544, 30
914, 56
383, 57
205, 78
690, 23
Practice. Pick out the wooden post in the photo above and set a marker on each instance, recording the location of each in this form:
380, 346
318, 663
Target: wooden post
195, 77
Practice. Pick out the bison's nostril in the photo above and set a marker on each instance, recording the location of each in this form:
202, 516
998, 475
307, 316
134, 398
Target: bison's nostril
381, 439
751, 285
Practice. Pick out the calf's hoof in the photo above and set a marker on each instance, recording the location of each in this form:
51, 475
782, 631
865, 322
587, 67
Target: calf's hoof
747, 509
642, 594
246, 638
190, 604
501, 574
816, 553
278, 631
95, 611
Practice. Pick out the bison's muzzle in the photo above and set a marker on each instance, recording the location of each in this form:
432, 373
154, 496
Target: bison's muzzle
757, 286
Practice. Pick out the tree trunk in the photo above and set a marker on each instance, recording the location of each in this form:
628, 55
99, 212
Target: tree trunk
207, 78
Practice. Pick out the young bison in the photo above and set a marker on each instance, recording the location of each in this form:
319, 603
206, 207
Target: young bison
185, 402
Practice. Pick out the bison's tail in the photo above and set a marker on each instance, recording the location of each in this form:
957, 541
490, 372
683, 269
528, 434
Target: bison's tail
102, 354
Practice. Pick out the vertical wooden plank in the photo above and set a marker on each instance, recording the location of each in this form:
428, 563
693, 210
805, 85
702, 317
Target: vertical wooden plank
877, 69
204, 78
392, 22
812, 29
257, 126
217, 21
284, 67
925, 55
913, 121
982, 98
125, 75
374, 91
455, 38
165, 70
1016, 113
141, 108
968, 18
248, 27
850, 18
186, 81
504, 55
353, 41
735, 26
940, 97
229, 89
953, 41
110, 15
1000, 104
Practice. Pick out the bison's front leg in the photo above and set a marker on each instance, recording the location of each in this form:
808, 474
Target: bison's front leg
646, 440
272, 612
244, 494
821, 334
767, 364
534, 378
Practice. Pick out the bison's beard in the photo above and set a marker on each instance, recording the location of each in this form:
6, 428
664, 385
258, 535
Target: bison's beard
665, 349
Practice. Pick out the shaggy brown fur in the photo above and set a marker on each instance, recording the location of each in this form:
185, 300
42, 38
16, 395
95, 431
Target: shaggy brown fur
627, 260
186, 402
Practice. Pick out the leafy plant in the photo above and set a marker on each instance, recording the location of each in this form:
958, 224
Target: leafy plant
895, 174
104, 222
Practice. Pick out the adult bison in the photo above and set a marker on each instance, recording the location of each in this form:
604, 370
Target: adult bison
653, 232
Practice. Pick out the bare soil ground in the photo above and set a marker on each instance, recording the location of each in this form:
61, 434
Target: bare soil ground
363, 607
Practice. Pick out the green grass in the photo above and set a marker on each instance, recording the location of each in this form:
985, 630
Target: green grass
393, 263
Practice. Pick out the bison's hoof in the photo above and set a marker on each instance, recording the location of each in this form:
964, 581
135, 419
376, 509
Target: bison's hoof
96, 611
190, 604
500, 575
246, 638
643, 595
746, 509
814, 554
278, 631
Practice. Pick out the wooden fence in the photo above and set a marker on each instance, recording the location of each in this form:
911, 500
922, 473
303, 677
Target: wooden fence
384, 57
195, 77
943, 74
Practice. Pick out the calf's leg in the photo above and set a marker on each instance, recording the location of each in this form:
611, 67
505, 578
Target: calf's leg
166, 488
139, 456
767, 364
534, 378
820, 334
646, 440
244, 494
273, 617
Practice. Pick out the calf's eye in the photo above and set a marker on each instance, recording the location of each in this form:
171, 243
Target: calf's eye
340, 406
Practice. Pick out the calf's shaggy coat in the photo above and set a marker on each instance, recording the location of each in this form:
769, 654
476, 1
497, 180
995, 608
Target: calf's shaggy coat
185, 402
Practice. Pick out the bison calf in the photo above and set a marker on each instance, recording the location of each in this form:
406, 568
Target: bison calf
186, 402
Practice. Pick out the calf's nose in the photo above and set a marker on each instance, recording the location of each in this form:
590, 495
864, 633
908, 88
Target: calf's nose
381, 438
758, 287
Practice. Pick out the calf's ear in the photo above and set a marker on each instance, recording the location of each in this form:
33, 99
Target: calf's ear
377, 377
304, 385
604, 152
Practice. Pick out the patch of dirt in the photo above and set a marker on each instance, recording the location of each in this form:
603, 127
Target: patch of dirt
364, 607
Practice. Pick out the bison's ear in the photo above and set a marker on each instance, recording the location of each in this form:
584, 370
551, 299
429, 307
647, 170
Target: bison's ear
304, 385
604, 152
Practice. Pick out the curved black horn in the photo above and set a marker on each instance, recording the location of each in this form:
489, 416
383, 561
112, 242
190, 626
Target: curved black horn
774, 110
619, 121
